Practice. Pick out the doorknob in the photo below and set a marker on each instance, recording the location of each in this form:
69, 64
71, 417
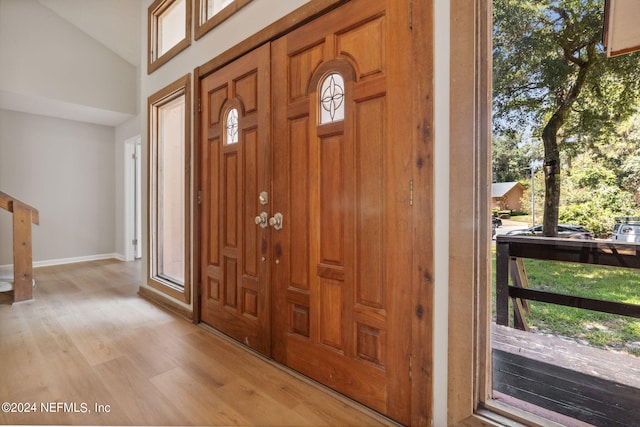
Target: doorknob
261, 219
276, 221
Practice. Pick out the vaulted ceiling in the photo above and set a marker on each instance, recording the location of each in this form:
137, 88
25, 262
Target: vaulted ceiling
114, 23
71, 59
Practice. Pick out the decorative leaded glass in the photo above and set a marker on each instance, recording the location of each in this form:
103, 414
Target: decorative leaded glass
232, 126
332, 99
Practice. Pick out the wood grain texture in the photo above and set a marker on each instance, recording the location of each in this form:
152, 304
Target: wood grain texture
592, 400
7, 203
344, 313
90, 339
233, 266
351, 281
22, 215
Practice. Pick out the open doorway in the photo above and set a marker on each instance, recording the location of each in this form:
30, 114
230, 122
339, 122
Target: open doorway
133, 199
565, 129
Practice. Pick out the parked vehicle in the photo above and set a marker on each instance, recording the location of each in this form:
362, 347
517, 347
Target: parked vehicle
495, 223
626, 229
569, 231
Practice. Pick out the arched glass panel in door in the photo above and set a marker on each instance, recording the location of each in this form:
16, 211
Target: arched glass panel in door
332, 94
232, 126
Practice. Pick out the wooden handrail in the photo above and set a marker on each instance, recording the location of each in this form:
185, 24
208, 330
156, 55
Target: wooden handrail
512, 249
23, 216
7, 202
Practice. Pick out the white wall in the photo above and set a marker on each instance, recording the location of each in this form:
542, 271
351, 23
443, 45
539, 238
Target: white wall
66, 170
48, 67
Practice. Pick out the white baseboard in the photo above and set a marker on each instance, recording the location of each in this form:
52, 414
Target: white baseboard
6, 271
119, 257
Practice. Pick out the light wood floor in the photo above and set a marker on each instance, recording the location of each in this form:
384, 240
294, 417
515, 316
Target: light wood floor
89, 340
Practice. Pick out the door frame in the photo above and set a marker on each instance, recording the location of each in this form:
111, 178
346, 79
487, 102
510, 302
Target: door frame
420, 18
132, 197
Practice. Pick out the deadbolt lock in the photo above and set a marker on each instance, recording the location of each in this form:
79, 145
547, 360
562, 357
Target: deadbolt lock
263, 198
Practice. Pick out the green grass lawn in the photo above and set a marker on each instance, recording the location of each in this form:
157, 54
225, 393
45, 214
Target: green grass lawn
597, 329
526, 219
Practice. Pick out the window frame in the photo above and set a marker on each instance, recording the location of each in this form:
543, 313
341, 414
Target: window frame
469, 370
157, 8
469, 330
179, 88
203, 28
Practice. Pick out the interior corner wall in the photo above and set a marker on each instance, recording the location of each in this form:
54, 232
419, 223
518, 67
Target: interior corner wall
66, 170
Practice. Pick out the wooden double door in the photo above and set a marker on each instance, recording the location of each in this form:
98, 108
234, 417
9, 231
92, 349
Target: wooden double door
306, 226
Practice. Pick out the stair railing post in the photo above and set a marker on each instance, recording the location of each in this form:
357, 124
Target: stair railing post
22, 256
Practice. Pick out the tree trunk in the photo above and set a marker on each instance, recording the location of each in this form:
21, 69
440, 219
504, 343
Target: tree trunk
550, 138
551, 175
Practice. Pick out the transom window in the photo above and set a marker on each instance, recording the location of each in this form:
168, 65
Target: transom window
210, 13
210, 8
169, 31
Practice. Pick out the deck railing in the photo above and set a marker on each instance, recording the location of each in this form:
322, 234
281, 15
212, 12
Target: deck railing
511, 250
23, 216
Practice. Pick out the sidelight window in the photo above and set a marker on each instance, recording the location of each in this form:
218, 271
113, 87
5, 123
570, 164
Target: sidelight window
168, 182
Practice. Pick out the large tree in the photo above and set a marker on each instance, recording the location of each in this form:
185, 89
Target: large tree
552, 77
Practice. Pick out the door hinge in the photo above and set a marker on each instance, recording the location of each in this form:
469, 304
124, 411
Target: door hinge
411, 16
410, 367
134, 242
411, 193
199, 197
199, 107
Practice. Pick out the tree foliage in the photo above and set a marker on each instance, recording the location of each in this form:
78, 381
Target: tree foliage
510, 158
593, 198
552, 78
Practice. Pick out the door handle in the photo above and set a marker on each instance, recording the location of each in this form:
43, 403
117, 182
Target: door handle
276, 221
261, 219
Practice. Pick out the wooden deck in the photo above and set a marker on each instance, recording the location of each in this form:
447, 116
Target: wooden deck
543, 373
